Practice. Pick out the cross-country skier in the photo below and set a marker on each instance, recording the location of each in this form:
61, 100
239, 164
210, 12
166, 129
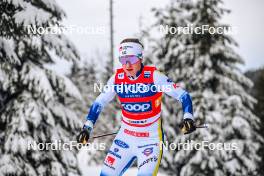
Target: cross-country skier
139, 89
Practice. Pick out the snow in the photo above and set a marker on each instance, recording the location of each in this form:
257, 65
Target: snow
51, 4
30, 15
218, 90
87, 171
232, 165
34, 107
63, 47
62, 82
6, 166
225, 106
7, 45
36, 79
71, 89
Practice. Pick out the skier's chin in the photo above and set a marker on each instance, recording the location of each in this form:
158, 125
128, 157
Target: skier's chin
130, 71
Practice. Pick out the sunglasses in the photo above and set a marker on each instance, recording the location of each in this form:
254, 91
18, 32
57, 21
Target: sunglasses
130, 59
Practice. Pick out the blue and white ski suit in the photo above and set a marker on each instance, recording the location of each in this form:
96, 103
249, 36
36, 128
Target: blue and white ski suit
141, 130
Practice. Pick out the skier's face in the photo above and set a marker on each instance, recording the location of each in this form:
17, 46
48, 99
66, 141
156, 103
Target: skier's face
132, 69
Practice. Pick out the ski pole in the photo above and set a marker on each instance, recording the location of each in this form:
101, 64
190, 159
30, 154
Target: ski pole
103, 135
109, 134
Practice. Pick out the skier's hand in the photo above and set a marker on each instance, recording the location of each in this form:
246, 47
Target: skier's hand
84, 135
187, 126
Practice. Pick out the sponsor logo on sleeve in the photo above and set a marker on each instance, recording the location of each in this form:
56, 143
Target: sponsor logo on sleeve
121, 143
148, 151
147, 145
149, 160
176, 85
169, 80
115, 153
109, 162
116, 150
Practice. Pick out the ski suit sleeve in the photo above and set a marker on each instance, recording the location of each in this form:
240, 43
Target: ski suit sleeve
103, 99
171, 89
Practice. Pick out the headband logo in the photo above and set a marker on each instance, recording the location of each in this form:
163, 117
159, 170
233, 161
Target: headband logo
124, 47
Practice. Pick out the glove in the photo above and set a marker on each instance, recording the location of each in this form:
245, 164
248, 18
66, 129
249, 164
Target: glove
187, 126
84, 135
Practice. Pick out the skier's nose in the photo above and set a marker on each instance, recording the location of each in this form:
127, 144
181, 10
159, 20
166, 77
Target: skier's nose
128, 64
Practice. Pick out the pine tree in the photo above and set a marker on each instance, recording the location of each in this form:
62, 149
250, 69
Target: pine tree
257, 76
108, 121
208, 66
83, 75
88, 78
33, 107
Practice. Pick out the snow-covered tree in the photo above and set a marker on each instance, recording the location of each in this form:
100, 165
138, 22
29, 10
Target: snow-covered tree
89, 79
83, 75
32, 100
109, 120
257, 76
208, 66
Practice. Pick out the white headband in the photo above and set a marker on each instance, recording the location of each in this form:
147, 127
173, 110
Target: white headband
130, 48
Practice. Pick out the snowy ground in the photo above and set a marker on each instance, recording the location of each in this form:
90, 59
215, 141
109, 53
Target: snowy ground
96, 171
